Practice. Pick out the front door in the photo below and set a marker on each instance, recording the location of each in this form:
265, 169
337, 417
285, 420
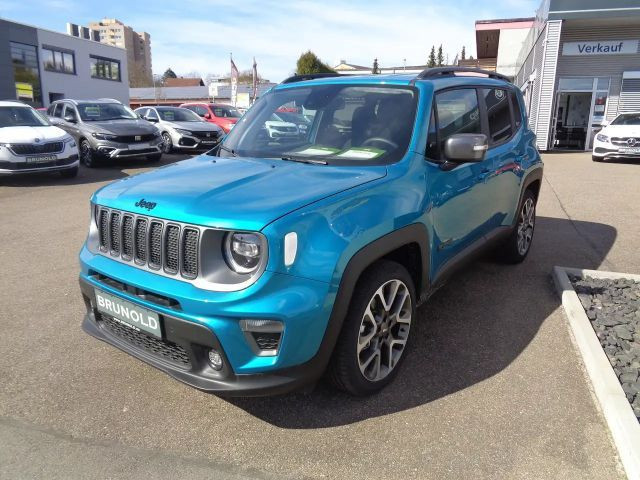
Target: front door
571, 121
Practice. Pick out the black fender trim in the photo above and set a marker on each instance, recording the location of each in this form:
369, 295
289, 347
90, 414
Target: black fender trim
532, 176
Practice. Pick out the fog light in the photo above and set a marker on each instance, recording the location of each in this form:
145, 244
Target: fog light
215, 359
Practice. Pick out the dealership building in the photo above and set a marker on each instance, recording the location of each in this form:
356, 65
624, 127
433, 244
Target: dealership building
39, 66
578, 67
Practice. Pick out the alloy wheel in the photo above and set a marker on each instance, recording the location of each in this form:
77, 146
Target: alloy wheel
167, 143
384, 330
526, 224
86, 154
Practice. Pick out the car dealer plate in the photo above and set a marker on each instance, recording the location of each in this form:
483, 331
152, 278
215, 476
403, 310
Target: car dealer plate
630, 150
128, 314
41, 159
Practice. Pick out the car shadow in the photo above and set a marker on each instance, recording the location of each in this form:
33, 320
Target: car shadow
469, 330
106, 172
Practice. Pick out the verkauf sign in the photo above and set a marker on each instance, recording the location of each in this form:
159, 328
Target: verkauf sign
609, 47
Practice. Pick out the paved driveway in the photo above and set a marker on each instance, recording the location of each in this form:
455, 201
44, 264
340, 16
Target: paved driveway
492, 388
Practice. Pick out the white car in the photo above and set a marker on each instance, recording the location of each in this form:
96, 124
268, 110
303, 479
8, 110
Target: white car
30, 144
277, 127
618, 139
181, 128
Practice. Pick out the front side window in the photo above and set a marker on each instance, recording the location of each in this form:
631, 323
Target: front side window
496, 101
98, 112
69, 111
348, 124
627, 119
105, 68
21, 117
57, 60
458, 112
58, 111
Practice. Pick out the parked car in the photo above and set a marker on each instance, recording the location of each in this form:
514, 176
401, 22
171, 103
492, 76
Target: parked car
225, 116
30, 144
106, 129
618, 139
297, 119
276, 127
181, 128
254, 268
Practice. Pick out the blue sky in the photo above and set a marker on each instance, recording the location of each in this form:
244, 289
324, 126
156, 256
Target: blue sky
197, 35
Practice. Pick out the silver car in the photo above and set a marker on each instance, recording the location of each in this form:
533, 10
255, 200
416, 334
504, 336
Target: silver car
181, 128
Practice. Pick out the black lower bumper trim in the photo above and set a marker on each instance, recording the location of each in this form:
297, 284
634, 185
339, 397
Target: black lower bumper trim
196, 341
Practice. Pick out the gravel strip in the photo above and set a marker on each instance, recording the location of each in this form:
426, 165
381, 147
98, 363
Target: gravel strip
613, 308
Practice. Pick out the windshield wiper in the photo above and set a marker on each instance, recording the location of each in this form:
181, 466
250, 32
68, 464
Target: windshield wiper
310, 161
227, 149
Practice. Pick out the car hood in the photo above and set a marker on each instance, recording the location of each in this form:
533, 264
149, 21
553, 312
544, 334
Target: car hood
122, 127
622, 131
234, 193
30, 134
194, 126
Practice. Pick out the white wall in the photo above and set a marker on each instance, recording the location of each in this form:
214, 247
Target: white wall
81, 85
509, 46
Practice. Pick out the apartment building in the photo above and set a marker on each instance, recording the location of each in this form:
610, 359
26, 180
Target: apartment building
112, 31
38, 66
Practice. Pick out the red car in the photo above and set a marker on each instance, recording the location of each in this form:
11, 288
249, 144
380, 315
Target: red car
225, 116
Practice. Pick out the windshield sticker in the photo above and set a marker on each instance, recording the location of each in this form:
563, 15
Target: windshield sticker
318, 151
92, 111
168, 116
362, 153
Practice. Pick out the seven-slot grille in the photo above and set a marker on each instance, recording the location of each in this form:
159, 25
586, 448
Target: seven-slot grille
149, 242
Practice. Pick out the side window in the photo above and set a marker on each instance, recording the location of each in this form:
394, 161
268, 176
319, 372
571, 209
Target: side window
69, 110
151, 113
517, 113
432, 151
141, 112
51, 109
458, 112
58, 111
200, 110
498, 114
218, 112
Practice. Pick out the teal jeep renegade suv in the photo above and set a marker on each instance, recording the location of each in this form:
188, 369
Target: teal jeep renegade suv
271, 260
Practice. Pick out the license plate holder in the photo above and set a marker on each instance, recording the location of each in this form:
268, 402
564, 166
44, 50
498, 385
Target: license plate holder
629, 150
41, 158
128, 314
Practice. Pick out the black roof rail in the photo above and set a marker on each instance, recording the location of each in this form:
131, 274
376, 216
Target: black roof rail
308, 76
445, 71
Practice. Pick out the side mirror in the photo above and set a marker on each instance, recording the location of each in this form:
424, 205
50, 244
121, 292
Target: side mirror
466, 147
70, 119
604, 123
151, 119
207, 116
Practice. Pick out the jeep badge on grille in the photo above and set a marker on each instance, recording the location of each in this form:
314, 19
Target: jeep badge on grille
142, 203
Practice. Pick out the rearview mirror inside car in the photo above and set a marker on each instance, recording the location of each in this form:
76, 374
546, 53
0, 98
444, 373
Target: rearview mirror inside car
466, 147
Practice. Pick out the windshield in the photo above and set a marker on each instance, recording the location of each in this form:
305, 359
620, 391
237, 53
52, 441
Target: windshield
21, 117
99, 112
347, 124
177, 115
225, 112
627, 119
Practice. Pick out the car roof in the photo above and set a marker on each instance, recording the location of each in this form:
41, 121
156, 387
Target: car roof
13, 103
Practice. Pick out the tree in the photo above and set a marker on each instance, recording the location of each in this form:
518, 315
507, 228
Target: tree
440, 58
463, 55
432, 58
169, 74
310, 63
376, 68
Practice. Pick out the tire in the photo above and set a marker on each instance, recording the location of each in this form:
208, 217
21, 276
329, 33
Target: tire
69, 172
87, 155
154, 158
167, 146
597, 159
513, 251
357, 365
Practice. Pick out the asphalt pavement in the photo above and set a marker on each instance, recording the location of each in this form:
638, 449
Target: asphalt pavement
492, 387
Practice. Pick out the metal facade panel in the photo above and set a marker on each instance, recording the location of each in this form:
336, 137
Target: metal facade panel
547, 83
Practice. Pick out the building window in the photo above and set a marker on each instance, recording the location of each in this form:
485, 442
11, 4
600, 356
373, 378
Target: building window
58, 60
105, 68
26, 73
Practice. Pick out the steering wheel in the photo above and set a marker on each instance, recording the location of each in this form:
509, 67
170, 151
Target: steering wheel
380, 140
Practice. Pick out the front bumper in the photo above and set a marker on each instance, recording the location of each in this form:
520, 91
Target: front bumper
115, 150
191, 142
605, 151
23, 167
195, 322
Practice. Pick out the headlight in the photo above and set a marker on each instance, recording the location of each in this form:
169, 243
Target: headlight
243, 251
602, 138
104, 136
182, 131
69, 139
